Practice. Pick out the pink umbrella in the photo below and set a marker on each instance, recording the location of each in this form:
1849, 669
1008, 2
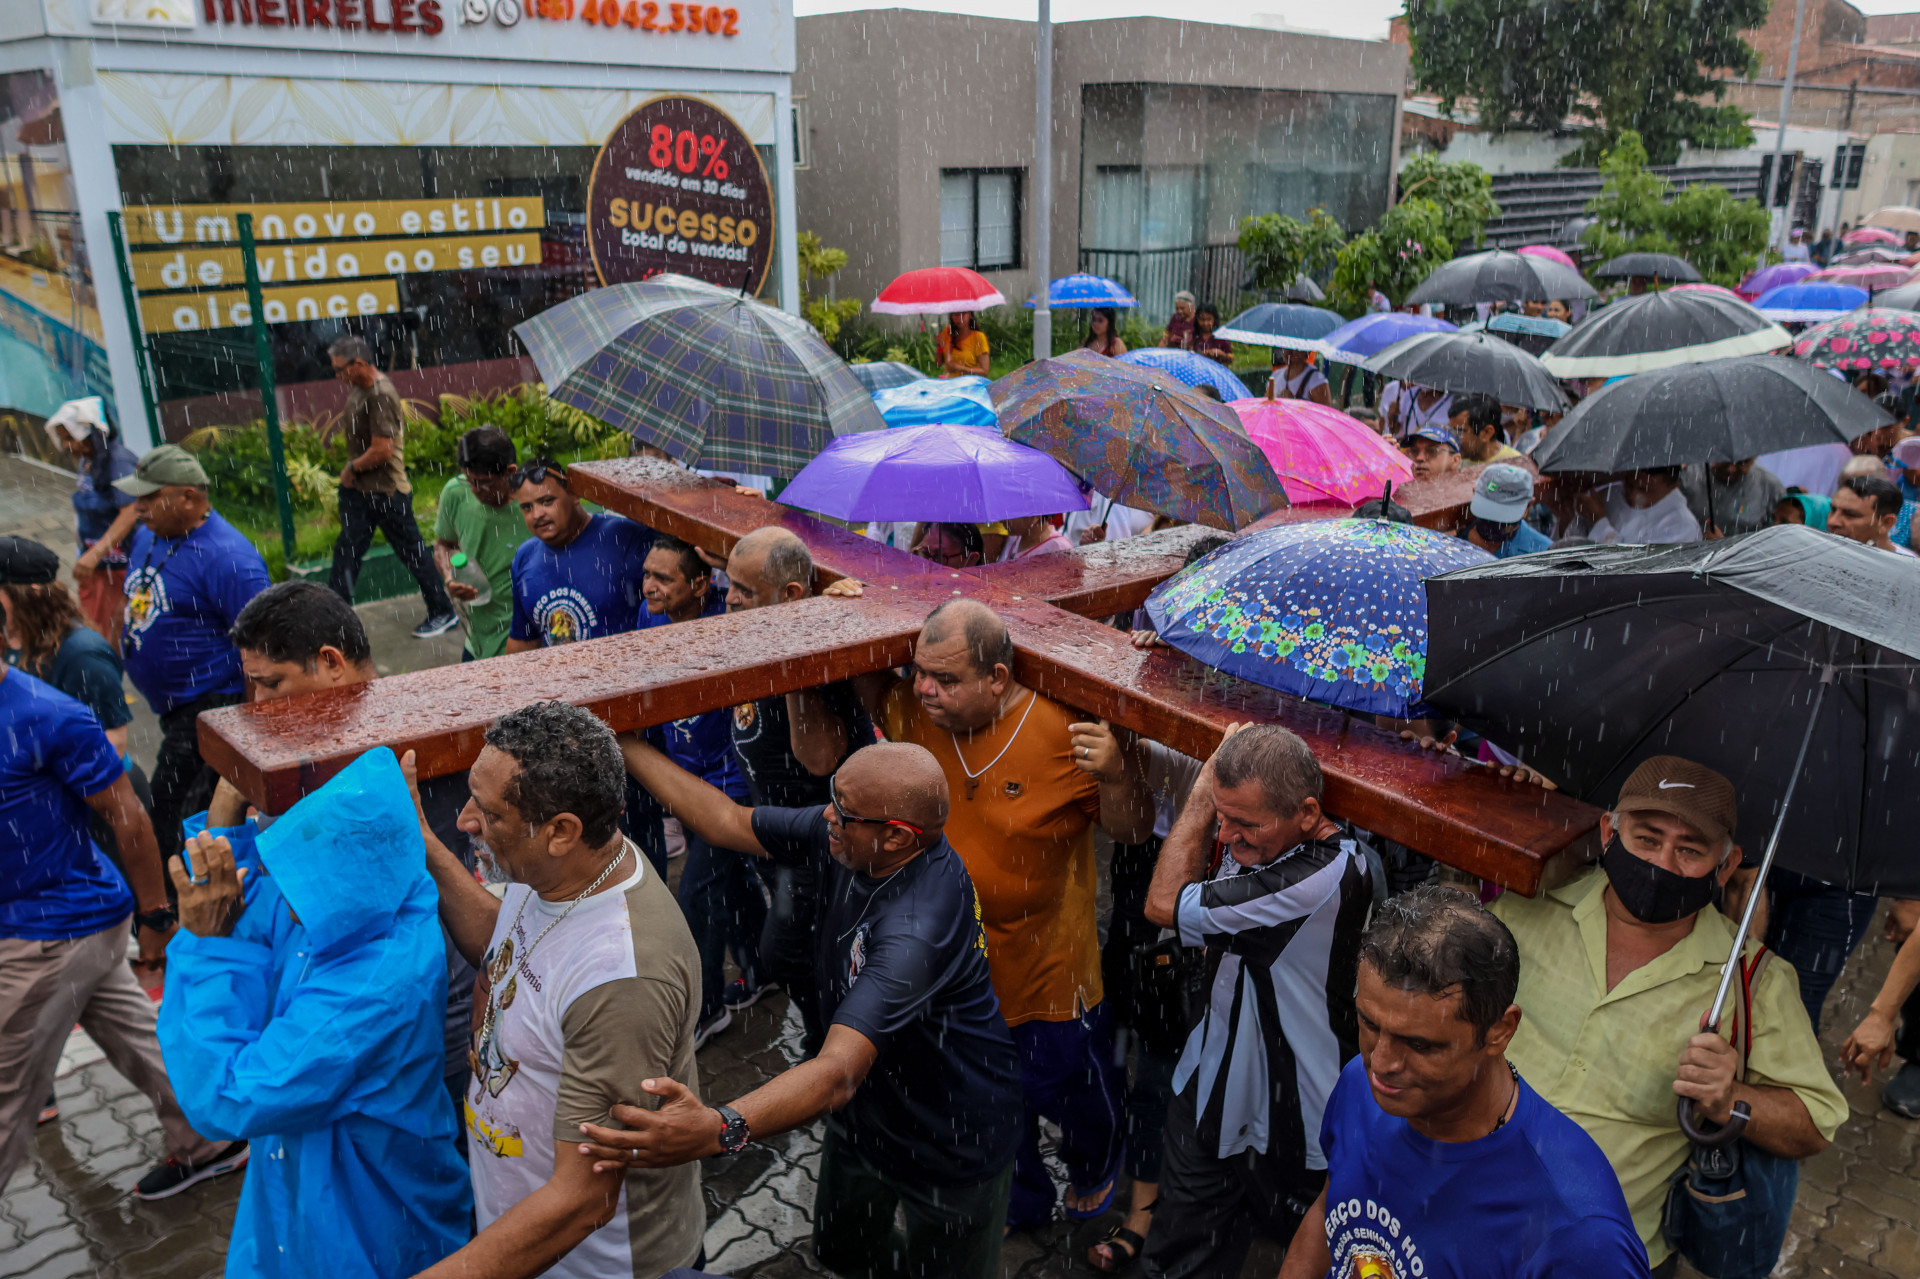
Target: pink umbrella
1869, 235
1707, 288
1882, 276
1547, 251
938, 290
1321, 454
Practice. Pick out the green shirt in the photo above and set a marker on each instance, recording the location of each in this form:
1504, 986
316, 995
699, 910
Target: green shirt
489, 535
1606, 1058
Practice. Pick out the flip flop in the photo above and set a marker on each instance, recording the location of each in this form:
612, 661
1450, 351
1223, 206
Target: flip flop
1106, 1200
1122, 1241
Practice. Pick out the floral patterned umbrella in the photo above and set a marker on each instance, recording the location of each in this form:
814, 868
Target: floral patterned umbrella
1874, 338
1334, 611
1141, 438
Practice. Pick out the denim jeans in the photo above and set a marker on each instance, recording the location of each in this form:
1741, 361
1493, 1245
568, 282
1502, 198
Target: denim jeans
721, 898
1815, 927
391, 513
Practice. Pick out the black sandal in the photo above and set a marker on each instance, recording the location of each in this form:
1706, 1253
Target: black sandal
1119, 1238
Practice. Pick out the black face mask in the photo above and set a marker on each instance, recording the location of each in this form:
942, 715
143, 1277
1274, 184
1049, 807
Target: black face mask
1653, 894
1498, 534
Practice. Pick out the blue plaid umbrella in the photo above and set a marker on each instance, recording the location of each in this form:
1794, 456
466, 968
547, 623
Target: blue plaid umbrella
713, 377
884, 375
952, 401
1194, 370
1334, 611
1084, 292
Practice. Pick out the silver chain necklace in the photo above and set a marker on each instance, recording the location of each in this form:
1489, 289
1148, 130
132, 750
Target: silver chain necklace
973, 778
495, 989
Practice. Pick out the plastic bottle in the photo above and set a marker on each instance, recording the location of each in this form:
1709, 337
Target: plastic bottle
466, 572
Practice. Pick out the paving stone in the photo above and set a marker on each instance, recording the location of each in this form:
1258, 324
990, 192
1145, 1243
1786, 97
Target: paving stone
37, 1252
1854, 1229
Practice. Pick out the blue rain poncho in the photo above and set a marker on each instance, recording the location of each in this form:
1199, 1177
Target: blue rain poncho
315, 1032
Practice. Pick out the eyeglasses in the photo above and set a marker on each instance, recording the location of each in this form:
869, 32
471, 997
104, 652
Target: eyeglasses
848, 819
537, 472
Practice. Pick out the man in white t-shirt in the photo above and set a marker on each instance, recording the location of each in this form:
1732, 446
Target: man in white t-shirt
589, 982
1646, 508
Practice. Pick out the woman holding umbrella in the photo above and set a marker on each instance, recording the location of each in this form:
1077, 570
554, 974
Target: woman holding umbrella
1103, 337
961, 348
1205, 320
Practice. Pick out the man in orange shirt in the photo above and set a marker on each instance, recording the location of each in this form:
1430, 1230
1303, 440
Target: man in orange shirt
1026, 795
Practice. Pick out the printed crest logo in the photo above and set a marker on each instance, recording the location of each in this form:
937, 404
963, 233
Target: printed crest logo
564, 616
1372, 1265
743, 716
1013, 790
147, 602
857, 953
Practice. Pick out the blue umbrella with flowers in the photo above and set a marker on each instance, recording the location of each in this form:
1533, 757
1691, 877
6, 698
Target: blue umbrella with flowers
1334, 610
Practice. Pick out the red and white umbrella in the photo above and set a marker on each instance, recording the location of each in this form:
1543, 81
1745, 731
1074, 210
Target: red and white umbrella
1869, 235
938, 290
1881, 276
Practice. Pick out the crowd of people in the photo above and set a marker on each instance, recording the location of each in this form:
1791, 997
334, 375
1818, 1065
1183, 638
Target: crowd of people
458, 1017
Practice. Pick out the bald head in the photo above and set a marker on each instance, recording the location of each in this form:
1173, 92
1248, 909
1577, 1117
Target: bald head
988, 642
897, 780
768, 566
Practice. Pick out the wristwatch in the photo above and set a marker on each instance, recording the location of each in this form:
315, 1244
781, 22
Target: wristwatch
159, 920
734, 1135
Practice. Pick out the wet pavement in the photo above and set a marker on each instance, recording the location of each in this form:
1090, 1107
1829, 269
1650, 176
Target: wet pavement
69, 1211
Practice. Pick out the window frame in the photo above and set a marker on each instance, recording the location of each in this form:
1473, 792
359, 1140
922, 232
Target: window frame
1018, 176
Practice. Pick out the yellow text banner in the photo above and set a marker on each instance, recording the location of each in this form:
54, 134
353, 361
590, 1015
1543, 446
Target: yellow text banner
199, 267
149, 224
188, 312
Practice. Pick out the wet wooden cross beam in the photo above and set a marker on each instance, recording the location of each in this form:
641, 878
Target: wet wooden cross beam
1459, 813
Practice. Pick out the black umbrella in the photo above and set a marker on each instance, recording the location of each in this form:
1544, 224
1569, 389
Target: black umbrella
1663, 266
1720, 411
1659, 330
1780, 655
1500, 276
1456, 362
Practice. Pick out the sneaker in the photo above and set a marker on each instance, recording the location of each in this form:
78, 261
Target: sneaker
1902, 1095
711, 1027
738, 995
438, 625
171, 1177
50, 1111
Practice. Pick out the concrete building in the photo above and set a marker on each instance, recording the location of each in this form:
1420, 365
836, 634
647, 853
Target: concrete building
920, 149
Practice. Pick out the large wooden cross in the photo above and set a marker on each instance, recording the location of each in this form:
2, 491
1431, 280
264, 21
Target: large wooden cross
1461, 814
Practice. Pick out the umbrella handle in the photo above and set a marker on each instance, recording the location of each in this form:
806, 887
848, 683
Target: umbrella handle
1713, 1136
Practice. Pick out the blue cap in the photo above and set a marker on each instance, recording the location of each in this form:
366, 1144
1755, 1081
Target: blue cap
1435, 432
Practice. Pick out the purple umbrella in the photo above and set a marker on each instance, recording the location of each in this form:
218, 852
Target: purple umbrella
957, 474
1359, 340
1773, 277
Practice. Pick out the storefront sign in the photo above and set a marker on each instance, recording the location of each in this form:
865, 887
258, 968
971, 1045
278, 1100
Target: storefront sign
421, 17
227, 309
219, 223
679, 187
209, 268
145, 13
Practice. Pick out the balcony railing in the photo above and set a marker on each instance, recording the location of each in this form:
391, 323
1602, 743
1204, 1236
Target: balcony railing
1211, 272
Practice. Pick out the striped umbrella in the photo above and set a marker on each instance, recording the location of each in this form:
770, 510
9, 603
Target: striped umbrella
715, 378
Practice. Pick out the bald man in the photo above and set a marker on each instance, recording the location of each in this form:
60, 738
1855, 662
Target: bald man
1029, 784
785, 769
918, 1070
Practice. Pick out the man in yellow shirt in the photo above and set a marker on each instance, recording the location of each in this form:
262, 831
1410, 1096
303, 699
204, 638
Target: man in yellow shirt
1476, 424
1027, 791
1617, 968
961, 348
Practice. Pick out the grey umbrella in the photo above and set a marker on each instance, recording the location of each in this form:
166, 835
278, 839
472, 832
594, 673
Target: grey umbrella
1782, 654
1901, 297
1456, 362
1500, 276
1654, 266
1658, 330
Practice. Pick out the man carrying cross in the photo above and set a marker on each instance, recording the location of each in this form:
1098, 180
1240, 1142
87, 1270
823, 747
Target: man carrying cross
1025, 802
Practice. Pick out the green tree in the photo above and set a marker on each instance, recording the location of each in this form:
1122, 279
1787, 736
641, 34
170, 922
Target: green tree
1400, 251
1637, 212
1279, 248
1606, 65
818, 262
1462, 189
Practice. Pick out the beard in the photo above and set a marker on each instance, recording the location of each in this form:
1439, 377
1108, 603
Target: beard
486, 865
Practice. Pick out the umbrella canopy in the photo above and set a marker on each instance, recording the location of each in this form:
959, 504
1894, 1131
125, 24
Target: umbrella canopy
1140, 437
956, 401
882, 375
1550, 253
1772, 277
1659, 330
958, 474
1282, 324
1905, 297
1664, 266
1810, 300
1869, 255
1456, 362
1332, 610
1531, 333
1720, 289
1500, 276
1894, 217
1876, 338
1084, 292
1303, 289
1189, 369
937, 290
1321, 454
1719, 411
1884, 275
1588, 660
1374, 332
710, 375
1869, 235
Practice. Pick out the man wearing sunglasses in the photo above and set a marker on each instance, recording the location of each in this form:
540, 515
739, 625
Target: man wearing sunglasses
918, 1071
581, 576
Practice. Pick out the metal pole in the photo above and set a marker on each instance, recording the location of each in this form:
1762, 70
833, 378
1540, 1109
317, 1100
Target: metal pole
269, 399
1043, 183
1780, 137
132, 302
